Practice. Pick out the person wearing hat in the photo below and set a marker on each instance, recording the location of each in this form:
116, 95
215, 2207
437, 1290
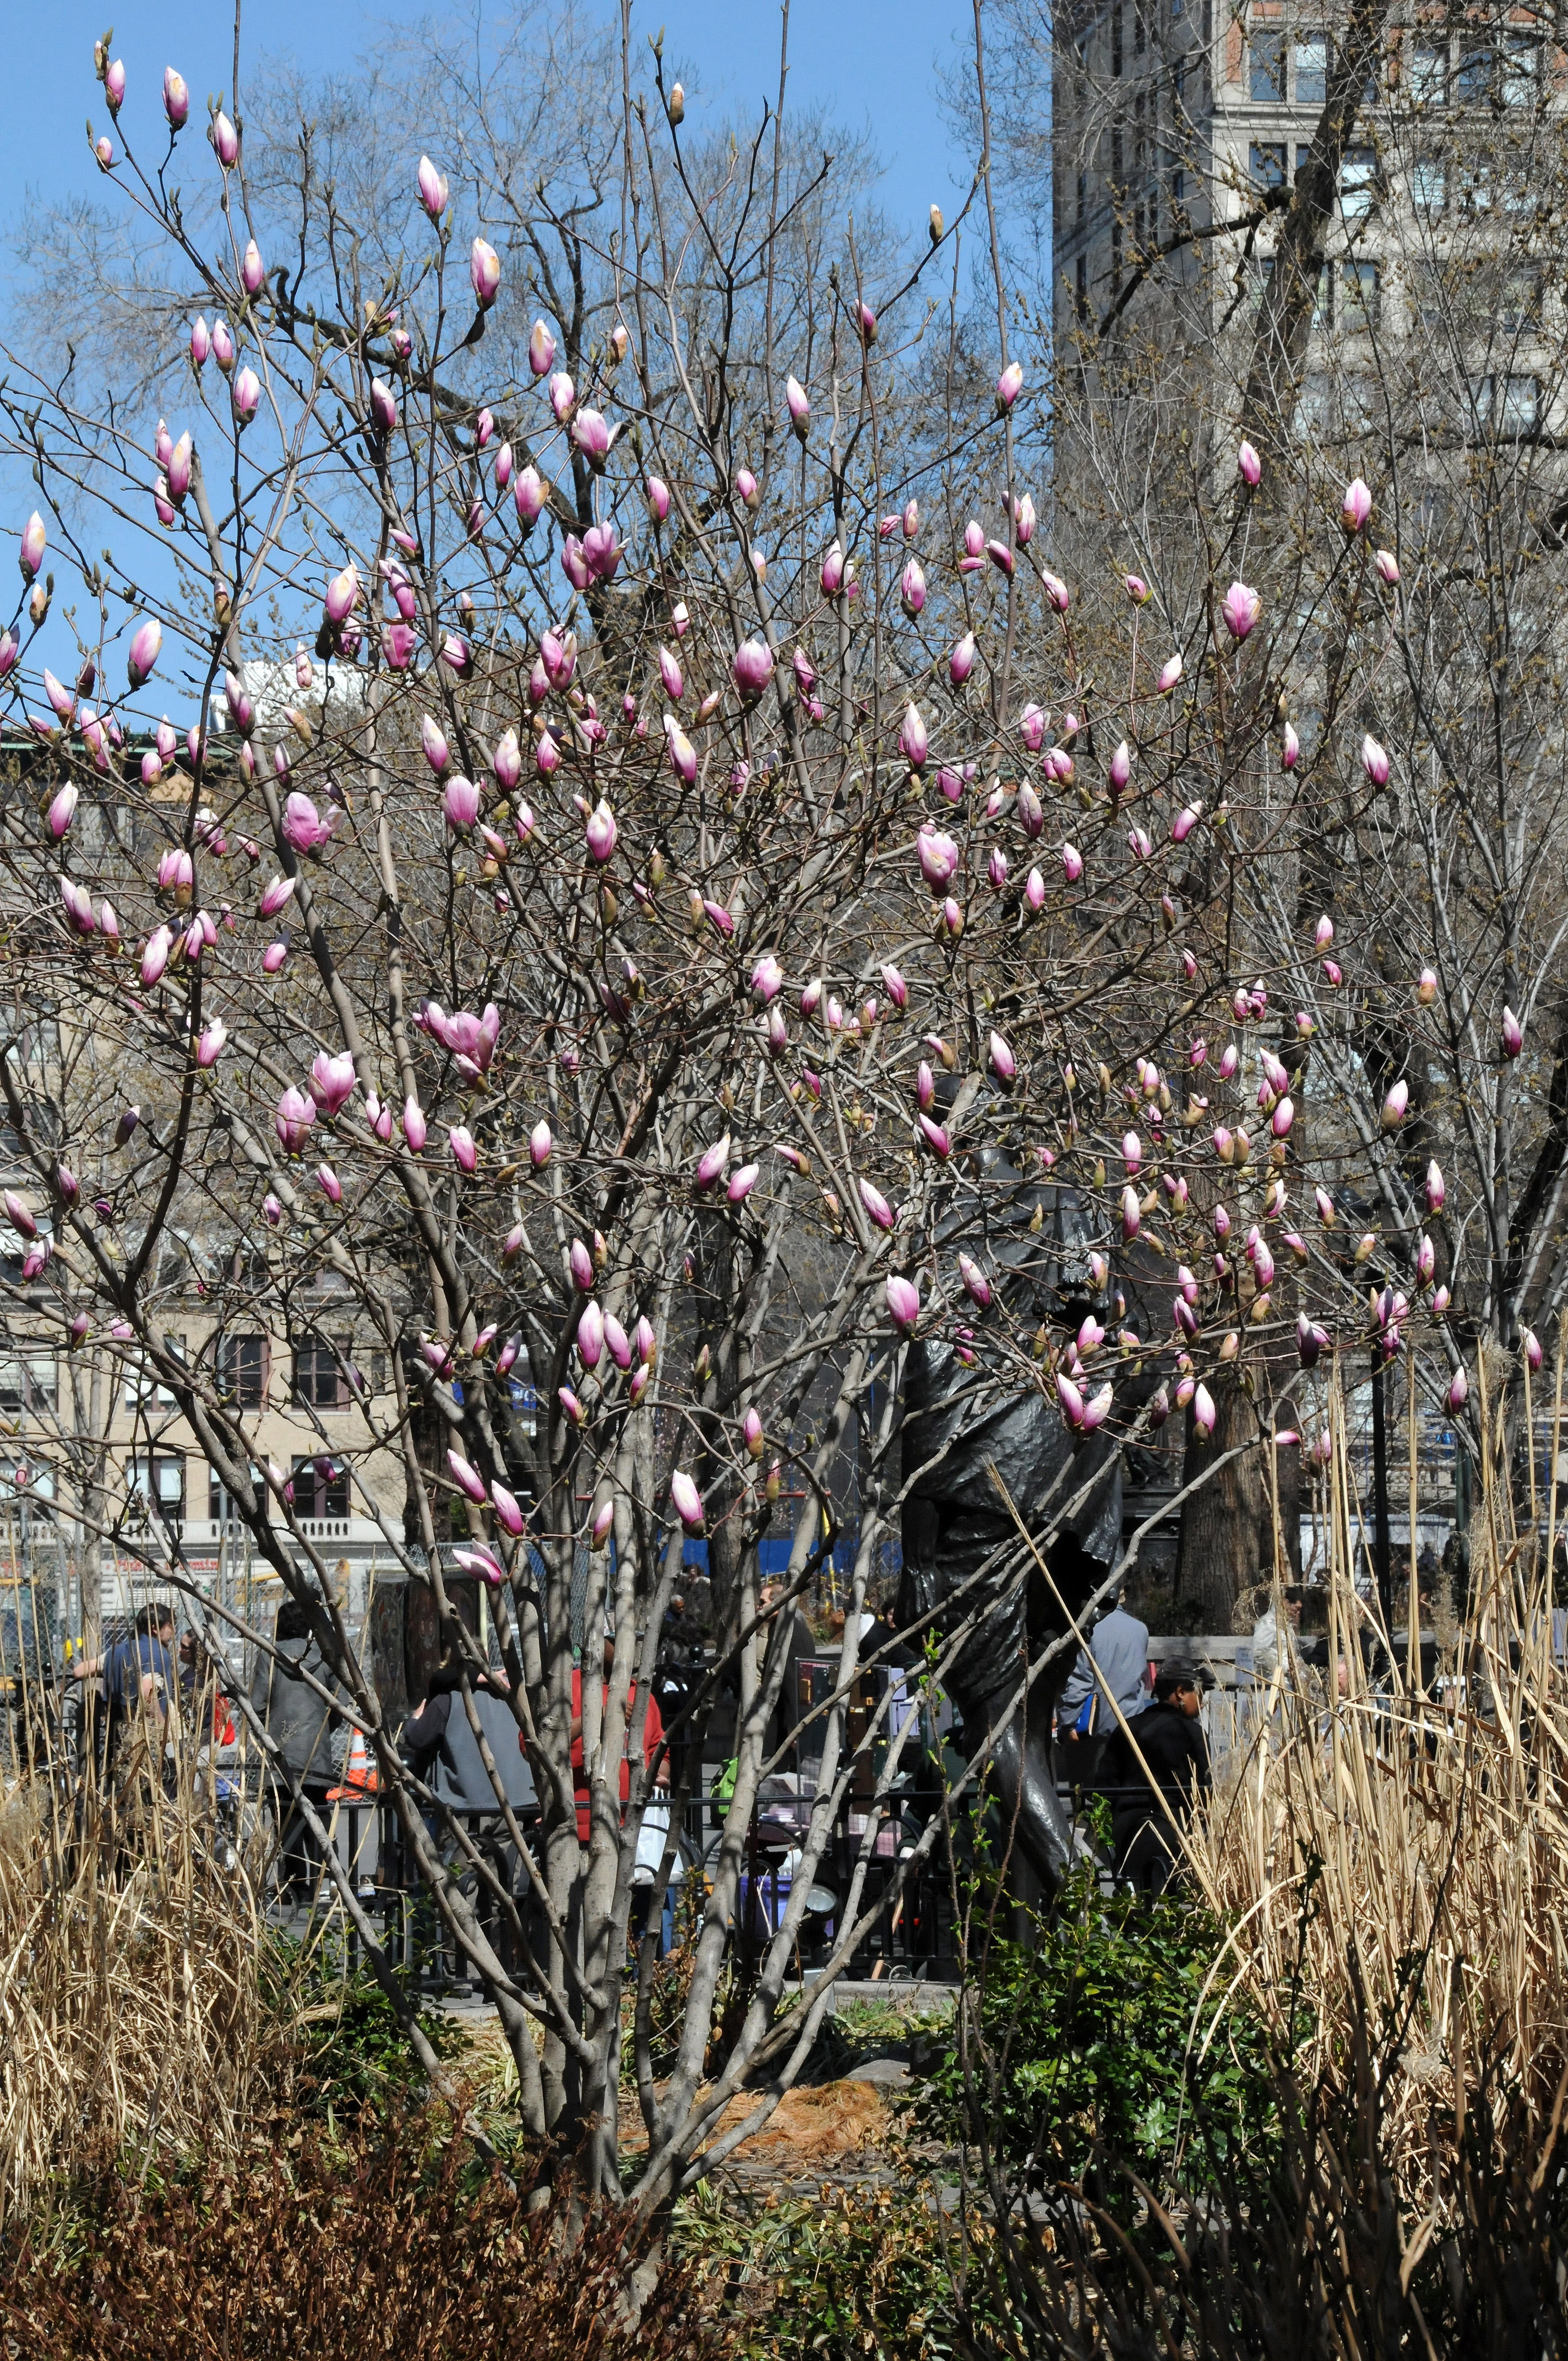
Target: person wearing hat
1170, 1766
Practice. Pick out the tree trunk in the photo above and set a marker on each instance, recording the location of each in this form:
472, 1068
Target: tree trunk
1227, 1527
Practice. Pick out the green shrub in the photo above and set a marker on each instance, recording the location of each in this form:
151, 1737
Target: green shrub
1087, 2046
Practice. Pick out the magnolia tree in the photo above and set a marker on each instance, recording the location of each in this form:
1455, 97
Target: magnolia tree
609, 895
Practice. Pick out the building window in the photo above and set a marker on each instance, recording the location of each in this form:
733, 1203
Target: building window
1266, 68
1511, 404
1082, 196
155, 1483
320, 1487
1312, 69
1358, 182
1362, 285
1478, 188
1116, 40
1323, 298
1429, 72
142, 1391
221, 1508
1081, 288
1140, 27
1520, 307
1473, 81
29, 1381
319, 1380
1520, 71
242, 1371
1116, 257
1428, 184
1266, 162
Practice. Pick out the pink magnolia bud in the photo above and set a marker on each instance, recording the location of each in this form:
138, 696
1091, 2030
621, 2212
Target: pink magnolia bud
528, 497
1009, 386
912, 588
876, 1205
142, 656
939, 857
540, 1144
253, 275
1459, 1391
912, 740
416, 1131
1426, 1261
600, 832
484, 273
590, 1336
176, 98
1004, 1064
1513, 1034
224, 139
1203, 1411
742, 1183
467, 1477
1426, 987
1375, 761
432, 189
1533, 1352
976, 1284
246, 395
1249, 467
961, 661
591, 436
1184, 823
712, 1161
342, 595
799, 407
273, 957
1289, 749
508, 1514
1356, 505
1241, 609
1132, 1217
330, 1185
31, 555
563, 397
1120, 767
1395, 1104
1387, 566
833, 571
1284, 1115
1023, 521
460, 1139
1137, 589
296, 1113
1073, 863
752, 666
1170, 673
1437, 1188
686, 1501
1002, 557
460, 802
747, 489
62, 809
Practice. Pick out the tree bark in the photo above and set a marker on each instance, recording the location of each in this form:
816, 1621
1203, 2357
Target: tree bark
1226, 1527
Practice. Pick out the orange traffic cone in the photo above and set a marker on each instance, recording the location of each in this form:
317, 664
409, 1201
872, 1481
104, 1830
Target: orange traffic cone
360, 1775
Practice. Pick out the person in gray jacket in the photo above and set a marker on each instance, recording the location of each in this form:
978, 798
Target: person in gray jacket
1114, 1664
303, 1728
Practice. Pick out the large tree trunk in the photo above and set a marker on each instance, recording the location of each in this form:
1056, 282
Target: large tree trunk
1227, 1527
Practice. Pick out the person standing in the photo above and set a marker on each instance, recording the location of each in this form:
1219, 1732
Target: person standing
1115, 1664
1155, 1772
285, 1696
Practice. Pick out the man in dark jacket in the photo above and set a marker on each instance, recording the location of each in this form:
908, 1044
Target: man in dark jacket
1170, 1766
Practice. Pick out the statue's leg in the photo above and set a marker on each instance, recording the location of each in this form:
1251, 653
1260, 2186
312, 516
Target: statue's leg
1023, 1779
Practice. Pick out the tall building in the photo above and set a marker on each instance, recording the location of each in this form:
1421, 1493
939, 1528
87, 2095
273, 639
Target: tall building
1179, 126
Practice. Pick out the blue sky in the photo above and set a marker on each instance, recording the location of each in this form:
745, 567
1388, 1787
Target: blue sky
873, 62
